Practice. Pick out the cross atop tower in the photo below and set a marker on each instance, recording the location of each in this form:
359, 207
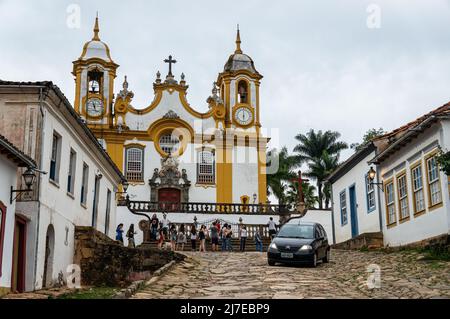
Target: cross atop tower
170, 61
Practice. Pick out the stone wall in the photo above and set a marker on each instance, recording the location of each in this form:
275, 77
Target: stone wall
367, 240
105, 262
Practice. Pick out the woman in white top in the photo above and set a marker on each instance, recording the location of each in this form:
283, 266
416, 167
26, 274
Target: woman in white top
243, 235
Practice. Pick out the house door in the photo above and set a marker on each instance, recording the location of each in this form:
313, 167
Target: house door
353, 211
19, 255
169, 199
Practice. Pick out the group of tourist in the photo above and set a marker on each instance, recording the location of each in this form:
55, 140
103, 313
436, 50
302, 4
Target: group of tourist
164, 232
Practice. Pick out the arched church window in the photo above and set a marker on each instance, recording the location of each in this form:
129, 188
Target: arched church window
205, 167
134, 164
169, 143
94, 81
243, 91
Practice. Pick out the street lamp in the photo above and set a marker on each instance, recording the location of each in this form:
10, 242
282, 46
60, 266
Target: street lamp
29, 177
124, 188
371, 175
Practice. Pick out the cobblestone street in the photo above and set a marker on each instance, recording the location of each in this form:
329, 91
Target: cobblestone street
247, 275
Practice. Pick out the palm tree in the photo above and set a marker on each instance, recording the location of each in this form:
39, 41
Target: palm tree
312, 145
309, 195
319, 170
283, 164
320, 151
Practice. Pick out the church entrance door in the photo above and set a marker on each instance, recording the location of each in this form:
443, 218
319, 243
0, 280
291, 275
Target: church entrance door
169, 199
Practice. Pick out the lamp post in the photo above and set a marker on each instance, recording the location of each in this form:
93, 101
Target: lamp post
29, 177
371, 175
124, 188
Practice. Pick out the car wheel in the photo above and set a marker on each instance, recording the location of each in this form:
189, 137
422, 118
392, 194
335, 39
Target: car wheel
326, 259
314, 261
271, 262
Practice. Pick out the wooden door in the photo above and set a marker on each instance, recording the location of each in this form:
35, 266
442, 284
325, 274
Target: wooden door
19, 256
169, 199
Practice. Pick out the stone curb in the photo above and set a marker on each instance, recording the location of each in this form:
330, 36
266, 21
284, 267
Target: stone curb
137, 285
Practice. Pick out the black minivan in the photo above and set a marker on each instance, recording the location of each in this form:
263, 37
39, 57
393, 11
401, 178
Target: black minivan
299, 242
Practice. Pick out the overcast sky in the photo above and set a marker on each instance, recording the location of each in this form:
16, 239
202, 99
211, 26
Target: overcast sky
323, 67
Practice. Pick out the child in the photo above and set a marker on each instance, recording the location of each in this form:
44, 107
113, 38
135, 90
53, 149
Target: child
193, 238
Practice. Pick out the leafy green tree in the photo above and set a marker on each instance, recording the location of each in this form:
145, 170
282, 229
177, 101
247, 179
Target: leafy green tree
277, 181
309, 193
368, 136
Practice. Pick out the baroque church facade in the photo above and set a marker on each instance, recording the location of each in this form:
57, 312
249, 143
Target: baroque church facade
168, 151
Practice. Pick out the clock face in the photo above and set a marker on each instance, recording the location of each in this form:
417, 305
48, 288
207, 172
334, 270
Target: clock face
243, 116
94, 107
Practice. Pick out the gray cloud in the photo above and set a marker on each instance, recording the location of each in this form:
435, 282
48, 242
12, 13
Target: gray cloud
323, 68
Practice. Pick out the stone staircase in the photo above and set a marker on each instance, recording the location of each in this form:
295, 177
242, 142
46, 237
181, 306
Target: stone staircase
249, 246
366, 240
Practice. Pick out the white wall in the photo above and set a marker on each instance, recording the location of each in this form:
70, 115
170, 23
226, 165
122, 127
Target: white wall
60, 209
322, 217
368, 221
433, 222
8, 178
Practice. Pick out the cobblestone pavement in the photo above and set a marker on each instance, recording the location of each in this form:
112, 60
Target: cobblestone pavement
247, 275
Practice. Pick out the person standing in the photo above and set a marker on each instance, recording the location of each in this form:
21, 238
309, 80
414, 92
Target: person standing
224, 236
119, 233
214, 236
193, 237
229, 238
160, 238
130, 236
173, 237
181, 239
202, 238
243, 235
258, 241
272, 228
154, 226
165, 225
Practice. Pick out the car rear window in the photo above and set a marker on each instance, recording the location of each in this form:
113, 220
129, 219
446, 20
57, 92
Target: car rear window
297, 231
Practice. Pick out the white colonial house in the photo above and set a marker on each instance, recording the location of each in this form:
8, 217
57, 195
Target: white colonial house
356, 205
77, 185
11, 160
416, 202
408, 200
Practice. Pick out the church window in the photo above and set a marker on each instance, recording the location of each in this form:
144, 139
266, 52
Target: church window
434, 185
343, 202
55, 158
205, 167
243, 91
370, 194
94, 81
169, 143
417, 187
134, 169
403, 197
390, 203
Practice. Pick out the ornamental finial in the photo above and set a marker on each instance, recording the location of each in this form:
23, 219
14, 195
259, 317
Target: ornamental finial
238, 41
96, 30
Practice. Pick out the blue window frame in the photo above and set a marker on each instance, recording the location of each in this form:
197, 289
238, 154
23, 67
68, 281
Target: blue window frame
370, 195
343, 205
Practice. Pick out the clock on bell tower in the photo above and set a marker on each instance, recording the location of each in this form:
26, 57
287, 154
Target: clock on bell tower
94, 73
239, 83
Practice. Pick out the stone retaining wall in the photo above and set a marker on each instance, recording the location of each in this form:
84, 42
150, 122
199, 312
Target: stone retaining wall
105, 262
366, 240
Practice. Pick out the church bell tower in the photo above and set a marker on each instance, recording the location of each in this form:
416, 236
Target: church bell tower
94, 73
